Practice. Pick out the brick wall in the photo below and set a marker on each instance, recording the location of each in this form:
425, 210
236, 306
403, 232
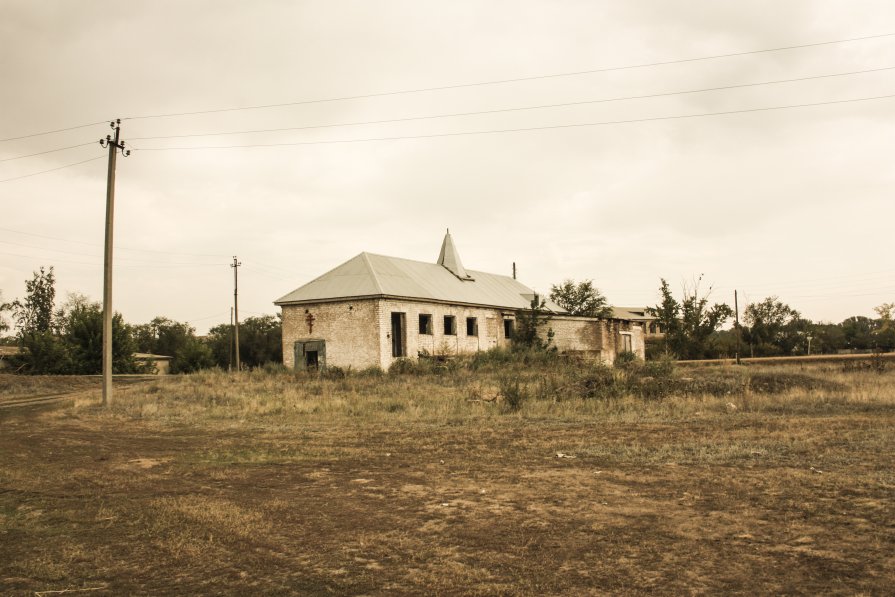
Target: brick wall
358, 333
594, 338
490, 329
348, 327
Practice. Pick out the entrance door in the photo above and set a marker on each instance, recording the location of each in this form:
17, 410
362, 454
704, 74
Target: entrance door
399, 335
310, 354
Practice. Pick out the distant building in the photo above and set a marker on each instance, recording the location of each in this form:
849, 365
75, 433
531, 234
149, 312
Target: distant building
161, 364
7, 353
373, 309
640, 316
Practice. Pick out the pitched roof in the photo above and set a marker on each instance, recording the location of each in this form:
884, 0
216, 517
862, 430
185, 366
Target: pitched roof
370, 275
632, 313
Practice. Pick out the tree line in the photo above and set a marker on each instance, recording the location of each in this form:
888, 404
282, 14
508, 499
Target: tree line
692, 325
769, 327
68, 339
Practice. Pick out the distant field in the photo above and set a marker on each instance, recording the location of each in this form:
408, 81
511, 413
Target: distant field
545, 478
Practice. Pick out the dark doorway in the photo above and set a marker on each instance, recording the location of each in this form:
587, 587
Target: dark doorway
399, 336
508, 329
310, 354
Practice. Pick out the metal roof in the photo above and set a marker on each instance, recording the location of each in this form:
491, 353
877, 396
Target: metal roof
632, 313
370, 275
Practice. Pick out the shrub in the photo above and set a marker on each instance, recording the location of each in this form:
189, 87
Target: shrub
775, 383
371, 371
332, 372
660, 367
513, 392
403, 367
273, 368
626, 359
599, 382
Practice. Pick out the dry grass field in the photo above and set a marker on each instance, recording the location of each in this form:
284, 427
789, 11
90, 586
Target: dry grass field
575, 480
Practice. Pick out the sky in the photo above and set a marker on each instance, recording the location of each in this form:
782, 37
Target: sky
396, 120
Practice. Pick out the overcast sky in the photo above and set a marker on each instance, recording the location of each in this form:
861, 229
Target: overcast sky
793, 202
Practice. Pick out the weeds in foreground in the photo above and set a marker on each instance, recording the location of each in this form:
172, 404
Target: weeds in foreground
473, 390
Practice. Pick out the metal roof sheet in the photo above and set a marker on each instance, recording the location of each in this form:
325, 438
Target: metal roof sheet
368, 275
632, 313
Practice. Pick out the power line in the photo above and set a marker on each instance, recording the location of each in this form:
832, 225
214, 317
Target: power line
31, 155
79, 242
519, 109
524, 129
71, 128
129, 261
52, 169
117, 265
513, 80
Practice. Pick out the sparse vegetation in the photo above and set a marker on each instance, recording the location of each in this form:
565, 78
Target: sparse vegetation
507, 472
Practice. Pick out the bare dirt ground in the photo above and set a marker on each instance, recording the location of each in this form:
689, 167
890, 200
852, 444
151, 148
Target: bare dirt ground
735, 496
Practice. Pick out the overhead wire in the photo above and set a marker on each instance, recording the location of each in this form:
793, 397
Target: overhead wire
509, 80
51, 169
516, 109
462, 85
31, 155
522, 129
71, 128
79, 242
127, 261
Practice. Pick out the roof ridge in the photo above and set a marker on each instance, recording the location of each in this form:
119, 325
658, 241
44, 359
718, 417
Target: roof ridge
372, 271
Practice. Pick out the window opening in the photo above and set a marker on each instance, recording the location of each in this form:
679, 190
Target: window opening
508, 328
472, 326
426, 324
450, 325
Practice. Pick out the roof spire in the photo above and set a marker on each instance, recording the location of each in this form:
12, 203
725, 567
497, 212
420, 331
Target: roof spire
449, 258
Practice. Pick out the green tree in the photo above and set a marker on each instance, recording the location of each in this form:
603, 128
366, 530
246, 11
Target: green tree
529, 322
164, 336
580, 299
885, 327
826, 338
260, 342
886, 313
773, 328
81, 333
44, 353
690, 323
4, 307
220, 340
858, 332
35, 313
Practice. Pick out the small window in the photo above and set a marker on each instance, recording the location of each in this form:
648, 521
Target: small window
472, 326
450, 325
626, 343
508, 328
426, 324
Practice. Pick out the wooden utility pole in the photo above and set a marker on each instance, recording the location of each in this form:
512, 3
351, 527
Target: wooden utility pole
114, 145
235, 265
230, 360
736, 308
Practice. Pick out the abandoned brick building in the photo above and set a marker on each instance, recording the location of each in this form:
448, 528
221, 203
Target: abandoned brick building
373, 309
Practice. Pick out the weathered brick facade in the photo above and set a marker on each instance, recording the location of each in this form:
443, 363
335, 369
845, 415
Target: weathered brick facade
349, 328
358, 333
